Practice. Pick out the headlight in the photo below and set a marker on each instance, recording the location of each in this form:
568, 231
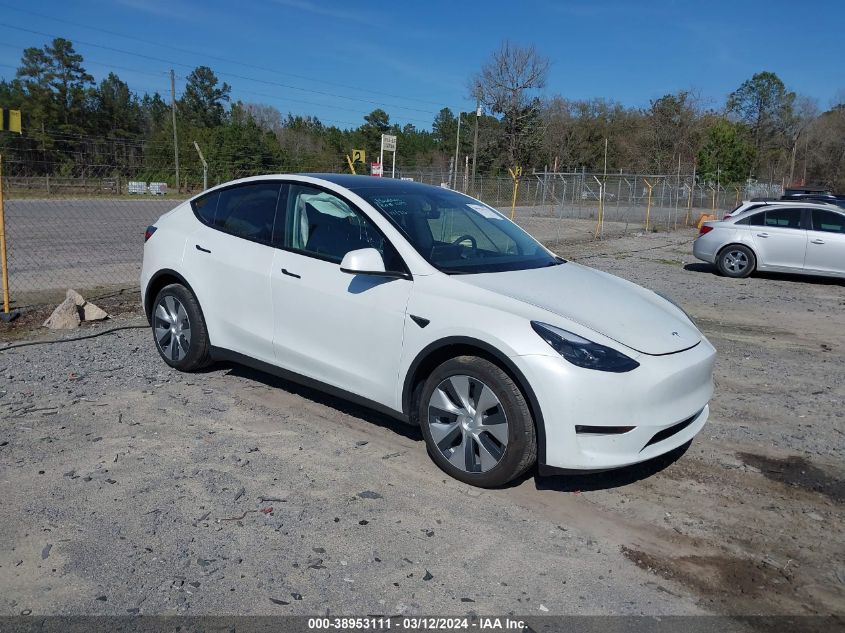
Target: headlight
583, 353
674, 303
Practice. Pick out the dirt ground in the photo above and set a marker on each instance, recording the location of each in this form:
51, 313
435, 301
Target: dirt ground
130, 488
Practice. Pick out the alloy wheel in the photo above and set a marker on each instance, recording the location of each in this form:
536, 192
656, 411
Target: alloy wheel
468, 424
172, 328
736, 261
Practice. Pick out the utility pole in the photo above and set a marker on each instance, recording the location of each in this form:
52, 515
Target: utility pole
175, 138
457, 149
475, 140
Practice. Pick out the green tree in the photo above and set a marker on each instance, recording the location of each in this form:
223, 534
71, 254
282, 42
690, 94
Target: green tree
375, 124
726, 154
445, 130
765, 105
117, 109
203, 102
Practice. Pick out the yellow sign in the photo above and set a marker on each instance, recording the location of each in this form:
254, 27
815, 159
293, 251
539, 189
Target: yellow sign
359, 156
10, 120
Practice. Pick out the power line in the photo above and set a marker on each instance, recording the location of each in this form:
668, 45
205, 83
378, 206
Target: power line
88, 61
214, 57
230, 74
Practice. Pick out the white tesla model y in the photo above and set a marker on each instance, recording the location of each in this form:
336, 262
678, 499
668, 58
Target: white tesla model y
432, 306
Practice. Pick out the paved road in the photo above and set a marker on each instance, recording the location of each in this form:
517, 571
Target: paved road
57, 244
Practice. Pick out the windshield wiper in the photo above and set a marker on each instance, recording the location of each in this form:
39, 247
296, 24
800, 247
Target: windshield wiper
453, 271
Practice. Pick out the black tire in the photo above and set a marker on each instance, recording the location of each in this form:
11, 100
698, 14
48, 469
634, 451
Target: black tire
519, 454
736, 261
188, 356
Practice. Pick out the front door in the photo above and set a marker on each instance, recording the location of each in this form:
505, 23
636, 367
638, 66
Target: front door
341, 329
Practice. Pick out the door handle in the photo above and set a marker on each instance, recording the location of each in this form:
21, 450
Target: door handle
200, 248
762, 235
817, 241
285, 271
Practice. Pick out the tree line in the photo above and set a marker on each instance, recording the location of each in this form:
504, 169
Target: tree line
77, 127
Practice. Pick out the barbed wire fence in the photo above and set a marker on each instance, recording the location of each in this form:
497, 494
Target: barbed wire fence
86, 231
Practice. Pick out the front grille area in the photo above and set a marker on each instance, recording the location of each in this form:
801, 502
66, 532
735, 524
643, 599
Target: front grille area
666, 433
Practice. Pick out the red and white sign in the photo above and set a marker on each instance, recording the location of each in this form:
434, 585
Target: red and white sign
376, 170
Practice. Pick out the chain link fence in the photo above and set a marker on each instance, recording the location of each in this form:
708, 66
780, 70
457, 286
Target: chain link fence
87, 232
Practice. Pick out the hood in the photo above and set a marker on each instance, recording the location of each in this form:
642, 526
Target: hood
618, 309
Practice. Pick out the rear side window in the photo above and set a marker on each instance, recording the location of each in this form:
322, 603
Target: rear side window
205, 207
247, 211
828, 221
777, 218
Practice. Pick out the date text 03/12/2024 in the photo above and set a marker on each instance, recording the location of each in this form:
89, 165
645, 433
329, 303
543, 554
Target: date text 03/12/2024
416, 623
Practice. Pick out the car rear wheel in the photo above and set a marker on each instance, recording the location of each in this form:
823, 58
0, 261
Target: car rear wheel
476, 423
179, 329
736, 261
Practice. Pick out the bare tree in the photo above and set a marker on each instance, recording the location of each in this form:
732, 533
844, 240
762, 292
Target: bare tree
265, 116
806, 112
508, 84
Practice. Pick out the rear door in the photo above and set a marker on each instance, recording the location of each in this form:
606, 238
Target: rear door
228, 260
780, 240
826, 242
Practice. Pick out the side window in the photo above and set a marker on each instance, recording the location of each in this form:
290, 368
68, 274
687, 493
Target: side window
205, 207
324, 226
248, 211
828, 221
784, 218
758, 219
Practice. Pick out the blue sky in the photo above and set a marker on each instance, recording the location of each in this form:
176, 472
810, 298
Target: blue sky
340, 60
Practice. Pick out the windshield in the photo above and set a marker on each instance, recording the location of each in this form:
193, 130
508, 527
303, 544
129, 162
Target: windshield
456, 234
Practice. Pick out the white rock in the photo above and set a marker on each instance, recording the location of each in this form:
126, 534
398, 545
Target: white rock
78, 299
91, 312
64, 317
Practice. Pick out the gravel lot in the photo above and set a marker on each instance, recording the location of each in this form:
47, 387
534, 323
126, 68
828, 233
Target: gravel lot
130, 488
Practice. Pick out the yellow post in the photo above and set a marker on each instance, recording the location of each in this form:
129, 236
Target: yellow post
688, 219
351, 166
648, 208
515, 174
714, 200
737, 194
3, 260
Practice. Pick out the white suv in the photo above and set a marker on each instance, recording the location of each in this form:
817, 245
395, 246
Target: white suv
434, 307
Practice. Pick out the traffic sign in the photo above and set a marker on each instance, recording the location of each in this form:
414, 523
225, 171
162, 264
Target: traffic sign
376, 169
359, 156
10, 120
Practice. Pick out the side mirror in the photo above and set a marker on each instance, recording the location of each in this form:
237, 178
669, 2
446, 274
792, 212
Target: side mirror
364, 261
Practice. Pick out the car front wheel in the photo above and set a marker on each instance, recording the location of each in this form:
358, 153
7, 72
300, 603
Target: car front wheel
477, 425
179, 329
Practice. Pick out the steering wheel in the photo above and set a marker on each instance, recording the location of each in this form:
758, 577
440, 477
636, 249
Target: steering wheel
464, 238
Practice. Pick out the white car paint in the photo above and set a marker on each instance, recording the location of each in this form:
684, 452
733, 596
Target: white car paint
355, 332
778, 249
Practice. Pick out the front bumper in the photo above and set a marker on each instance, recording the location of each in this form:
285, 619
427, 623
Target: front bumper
665, 399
